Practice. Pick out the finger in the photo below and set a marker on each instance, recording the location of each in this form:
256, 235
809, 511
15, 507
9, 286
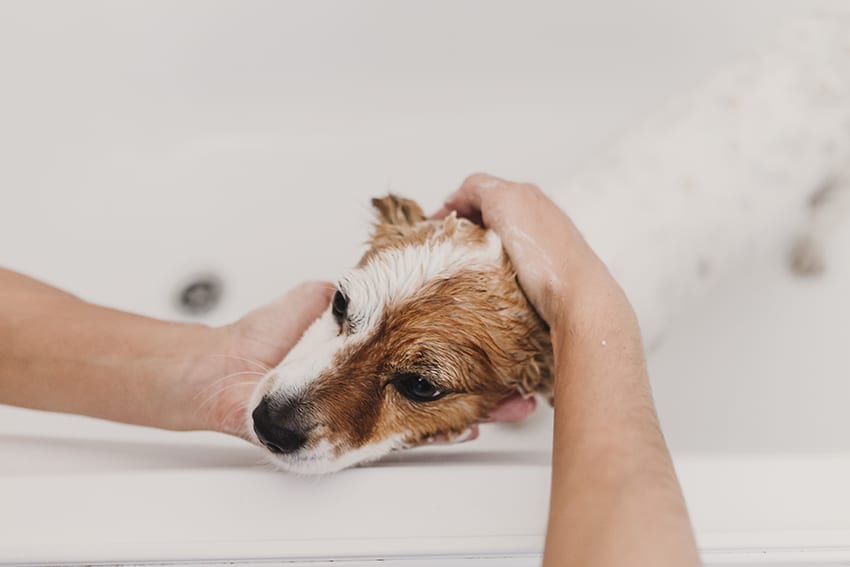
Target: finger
514, 408
476, 198
281, 323
467, 199
308, 300
441, 214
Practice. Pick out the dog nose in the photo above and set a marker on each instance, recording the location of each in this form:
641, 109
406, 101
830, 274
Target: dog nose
274, 430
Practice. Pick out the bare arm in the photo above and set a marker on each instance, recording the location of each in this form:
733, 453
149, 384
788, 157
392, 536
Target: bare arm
615, 496
60, 353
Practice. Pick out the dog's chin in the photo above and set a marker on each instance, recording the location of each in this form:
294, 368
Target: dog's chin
305, 465
323, 459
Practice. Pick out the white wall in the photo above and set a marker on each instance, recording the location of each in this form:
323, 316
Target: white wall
142, 142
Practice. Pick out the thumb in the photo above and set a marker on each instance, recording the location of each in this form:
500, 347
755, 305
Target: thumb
303, 304
280, 324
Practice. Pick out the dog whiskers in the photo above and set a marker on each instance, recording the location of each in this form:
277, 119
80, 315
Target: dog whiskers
257, 363
200, 409
223, 378
223, 389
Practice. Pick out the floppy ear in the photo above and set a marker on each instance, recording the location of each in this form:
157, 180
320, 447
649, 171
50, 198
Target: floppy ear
396, 210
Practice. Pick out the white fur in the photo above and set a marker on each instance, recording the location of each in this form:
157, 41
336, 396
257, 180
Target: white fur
321, 460
397, 274
391, 276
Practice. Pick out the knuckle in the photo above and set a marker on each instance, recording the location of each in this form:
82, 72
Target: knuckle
477, 179
482, 180
531, 189
514, 198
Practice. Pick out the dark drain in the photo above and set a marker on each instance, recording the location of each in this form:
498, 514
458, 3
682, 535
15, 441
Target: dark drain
200, 295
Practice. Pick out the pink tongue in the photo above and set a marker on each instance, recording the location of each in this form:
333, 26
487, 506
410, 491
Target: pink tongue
515, 408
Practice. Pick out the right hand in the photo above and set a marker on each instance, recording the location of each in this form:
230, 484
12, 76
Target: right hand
554, 263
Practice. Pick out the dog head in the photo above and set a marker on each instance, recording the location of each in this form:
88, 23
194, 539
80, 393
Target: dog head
423, 338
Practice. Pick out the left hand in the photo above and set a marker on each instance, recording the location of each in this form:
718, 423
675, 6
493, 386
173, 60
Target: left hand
222, 379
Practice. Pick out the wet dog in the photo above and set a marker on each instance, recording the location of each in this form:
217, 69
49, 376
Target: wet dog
423, 338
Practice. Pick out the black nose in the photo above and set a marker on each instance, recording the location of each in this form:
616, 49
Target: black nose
275, 428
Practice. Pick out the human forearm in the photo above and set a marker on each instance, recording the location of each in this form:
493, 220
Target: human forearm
615, 496
59, 353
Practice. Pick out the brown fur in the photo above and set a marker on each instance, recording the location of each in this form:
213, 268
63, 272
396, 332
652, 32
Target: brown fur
474, 335
401, 222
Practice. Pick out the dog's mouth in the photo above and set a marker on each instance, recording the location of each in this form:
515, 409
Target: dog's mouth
303, 462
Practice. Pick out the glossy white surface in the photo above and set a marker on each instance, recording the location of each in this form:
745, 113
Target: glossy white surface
145, 142
764, 469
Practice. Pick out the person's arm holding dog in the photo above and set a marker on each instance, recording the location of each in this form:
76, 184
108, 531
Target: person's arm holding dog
615, 496
60, 353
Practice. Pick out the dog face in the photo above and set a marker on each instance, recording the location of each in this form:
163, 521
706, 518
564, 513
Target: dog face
423, 338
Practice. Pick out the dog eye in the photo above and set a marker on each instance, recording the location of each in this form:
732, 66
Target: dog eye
415, 387
339, 308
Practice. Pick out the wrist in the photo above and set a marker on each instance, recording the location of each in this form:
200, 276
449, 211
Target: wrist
598, 322
188, 357
588, 298
215, 383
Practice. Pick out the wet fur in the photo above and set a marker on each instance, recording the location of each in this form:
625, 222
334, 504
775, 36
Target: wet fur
469, 330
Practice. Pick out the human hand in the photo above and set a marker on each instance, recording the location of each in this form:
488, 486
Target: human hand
221, 379
604, 416
554, 263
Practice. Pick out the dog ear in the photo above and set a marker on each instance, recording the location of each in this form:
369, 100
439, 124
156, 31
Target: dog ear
536, 375
527, 338
395, 210
397, 219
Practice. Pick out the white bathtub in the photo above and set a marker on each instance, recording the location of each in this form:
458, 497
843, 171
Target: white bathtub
145, 143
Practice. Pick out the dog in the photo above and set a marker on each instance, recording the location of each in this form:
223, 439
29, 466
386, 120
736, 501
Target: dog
430, 331
423, 338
